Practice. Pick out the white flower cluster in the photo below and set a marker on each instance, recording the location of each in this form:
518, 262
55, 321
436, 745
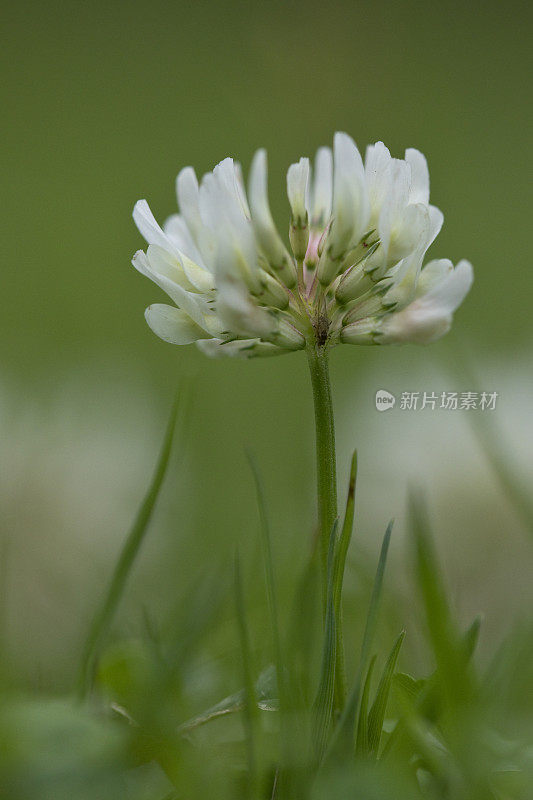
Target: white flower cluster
354, 271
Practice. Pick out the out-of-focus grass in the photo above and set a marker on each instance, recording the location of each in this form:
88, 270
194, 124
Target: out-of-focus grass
457, 731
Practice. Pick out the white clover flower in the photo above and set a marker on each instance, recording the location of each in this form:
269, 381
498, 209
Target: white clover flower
353, 273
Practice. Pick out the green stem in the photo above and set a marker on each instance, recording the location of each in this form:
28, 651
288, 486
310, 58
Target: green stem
317, 357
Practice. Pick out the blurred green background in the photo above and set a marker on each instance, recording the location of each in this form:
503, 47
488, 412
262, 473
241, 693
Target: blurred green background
103, 103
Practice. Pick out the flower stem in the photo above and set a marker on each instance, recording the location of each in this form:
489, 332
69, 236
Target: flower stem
326, 464
317, 356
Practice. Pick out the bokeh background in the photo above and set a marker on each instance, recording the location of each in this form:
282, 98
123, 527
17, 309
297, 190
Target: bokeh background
103, 103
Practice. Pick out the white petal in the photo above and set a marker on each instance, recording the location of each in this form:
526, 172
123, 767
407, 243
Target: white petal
198, 276
429, 316
221, 197
179, 234
187, 191
149, 227
241, 348
287, 336
436, 218
419, 192
173, 325
378, 177
193, 304
361, 332
188, 202
350, 201
449, 293
297, 189
411, 234
267, 234
395, 202
433, 273
179, 269
239, 312
403, 327
241, 189
222, 210
322, 194
167, 265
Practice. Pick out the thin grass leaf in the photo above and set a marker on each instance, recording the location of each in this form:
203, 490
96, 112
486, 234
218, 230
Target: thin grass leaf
345, 729
306, 632
376, 716
268, 564
5, 551
104, 616
250, 704
375, 600
361, 742
491, 442
471, 638
424, 694
290, 740
504, 470
409, 685
346, 534
340, 564
323, 705
266, 698
447, 646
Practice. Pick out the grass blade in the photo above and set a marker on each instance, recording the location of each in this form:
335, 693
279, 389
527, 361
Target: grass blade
250, 705
104, 616
338, 579
265, 694
346, 534
345, 728
306, 632
423, 695
505, 471
449, 650
375, 600
323, 705
376, 716
471, 638
289, 740
491, 442
361, 742
268, 564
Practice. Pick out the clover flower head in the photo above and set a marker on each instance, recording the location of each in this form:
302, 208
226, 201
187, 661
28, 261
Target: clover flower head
353, 271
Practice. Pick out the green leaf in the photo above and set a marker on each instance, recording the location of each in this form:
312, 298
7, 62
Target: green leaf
375, 600
289, 741
345, 729
268, 564
306, 631
361, 743
448, 647
346, 534
266, 696
104, 616
376, 716
492, 442
250, 704
409, 685
471, 638
424, 694
340, 564
323, 705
